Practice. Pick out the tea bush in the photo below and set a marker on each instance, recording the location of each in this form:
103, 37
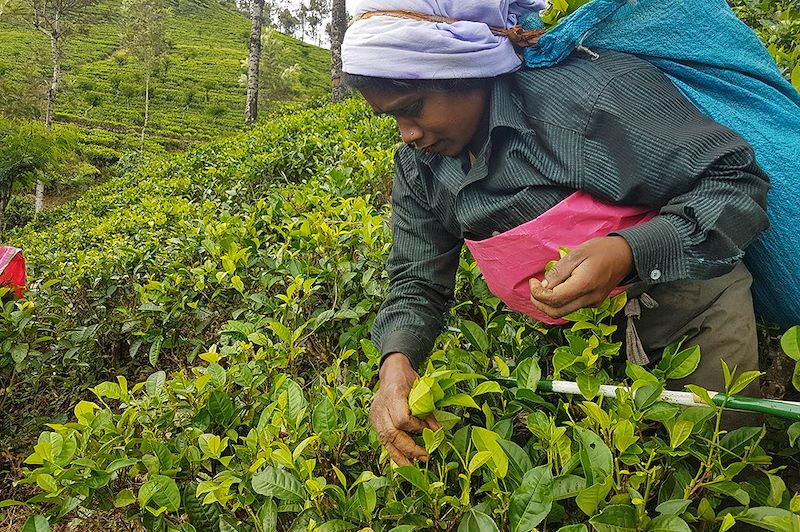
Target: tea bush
150, 263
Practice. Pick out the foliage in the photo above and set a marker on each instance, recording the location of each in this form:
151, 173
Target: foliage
103, 85
147, 267
777, 24
27, 150
236, 443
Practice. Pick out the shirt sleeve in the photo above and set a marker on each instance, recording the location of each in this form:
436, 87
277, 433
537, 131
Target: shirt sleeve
422, 268
646, 144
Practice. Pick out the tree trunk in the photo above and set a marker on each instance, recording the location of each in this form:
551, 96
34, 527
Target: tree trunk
38, 203
338, 27
146, 105
54, 80
251, 110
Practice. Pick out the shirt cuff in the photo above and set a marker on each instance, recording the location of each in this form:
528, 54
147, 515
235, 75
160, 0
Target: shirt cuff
657, 250
407, 343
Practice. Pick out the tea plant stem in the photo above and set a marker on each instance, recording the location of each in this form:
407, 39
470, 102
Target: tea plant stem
650, 478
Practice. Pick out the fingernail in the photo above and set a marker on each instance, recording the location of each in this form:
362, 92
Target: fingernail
545, 283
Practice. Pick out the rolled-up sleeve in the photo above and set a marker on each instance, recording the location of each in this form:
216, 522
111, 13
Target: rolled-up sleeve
646, 144
422, 267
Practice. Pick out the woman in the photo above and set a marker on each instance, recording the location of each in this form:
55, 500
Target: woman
493, 153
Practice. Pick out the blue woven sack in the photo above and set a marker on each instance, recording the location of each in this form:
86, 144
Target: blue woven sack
719, 64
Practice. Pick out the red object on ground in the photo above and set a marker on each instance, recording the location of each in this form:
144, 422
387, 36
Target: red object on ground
12, 269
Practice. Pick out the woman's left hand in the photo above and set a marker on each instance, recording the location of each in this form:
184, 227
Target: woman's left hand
584, 277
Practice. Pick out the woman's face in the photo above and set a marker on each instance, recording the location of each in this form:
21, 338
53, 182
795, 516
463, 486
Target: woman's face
446, 123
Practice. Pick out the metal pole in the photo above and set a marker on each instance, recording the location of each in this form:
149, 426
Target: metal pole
785, 409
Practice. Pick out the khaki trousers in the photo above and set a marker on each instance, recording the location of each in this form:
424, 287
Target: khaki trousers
716, 314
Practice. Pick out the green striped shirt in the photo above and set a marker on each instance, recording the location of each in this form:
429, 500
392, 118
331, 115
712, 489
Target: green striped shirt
614, 127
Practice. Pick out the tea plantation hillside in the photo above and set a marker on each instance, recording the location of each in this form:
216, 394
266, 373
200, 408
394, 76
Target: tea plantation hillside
192, 354
196, 93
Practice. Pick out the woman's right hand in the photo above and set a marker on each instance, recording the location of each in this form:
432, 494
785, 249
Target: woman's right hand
390, 415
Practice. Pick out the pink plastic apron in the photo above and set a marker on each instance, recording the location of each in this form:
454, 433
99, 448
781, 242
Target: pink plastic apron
508, 260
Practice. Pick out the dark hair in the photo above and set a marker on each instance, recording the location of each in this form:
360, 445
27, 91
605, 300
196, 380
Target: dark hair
360, 83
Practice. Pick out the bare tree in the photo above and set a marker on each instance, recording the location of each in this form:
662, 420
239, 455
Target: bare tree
338, 27
257, 16
143, 35
55, 19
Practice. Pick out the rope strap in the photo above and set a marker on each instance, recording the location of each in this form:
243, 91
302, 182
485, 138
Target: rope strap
519, 37
633, 344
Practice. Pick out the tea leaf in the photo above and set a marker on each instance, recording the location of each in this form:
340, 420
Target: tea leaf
162, 491
459, 399
528, 374
796, 377
730, 489
684, 363
155, 383
415, 476
598, 453
680, 432
268, 514
475, 521
743, 381
589, 385
793, 432
202, 516
486, 387
624, 435
590, 498
615, 518
124, 498
475, 335
478, 459
324, 419
736, 440
155, 350
673, 507
486, 440
574, 528
336, 525
220, 408
790, 341
567, 486
773, 519
36, 523
532, 501
432, 439
727, 522
84, 412
420, 399
667, 523
278, 483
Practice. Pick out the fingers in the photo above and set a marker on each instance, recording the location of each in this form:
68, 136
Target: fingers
393, 422
402, 448
432, 423
562, 269
565, 298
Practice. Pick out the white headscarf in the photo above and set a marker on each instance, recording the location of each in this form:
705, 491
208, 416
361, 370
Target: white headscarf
386, 46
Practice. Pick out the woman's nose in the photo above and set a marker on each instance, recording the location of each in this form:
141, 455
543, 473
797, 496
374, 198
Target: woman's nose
409, 131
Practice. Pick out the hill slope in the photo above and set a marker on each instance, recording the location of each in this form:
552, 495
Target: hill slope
196, 94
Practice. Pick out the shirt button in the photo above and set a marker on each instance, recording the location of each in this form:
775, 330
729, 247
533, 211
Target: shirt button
495, 233
655, 275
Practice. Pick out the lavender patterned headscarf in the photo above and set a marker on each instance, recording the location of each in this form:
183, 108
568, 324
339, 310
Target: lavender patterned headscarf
390, 47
